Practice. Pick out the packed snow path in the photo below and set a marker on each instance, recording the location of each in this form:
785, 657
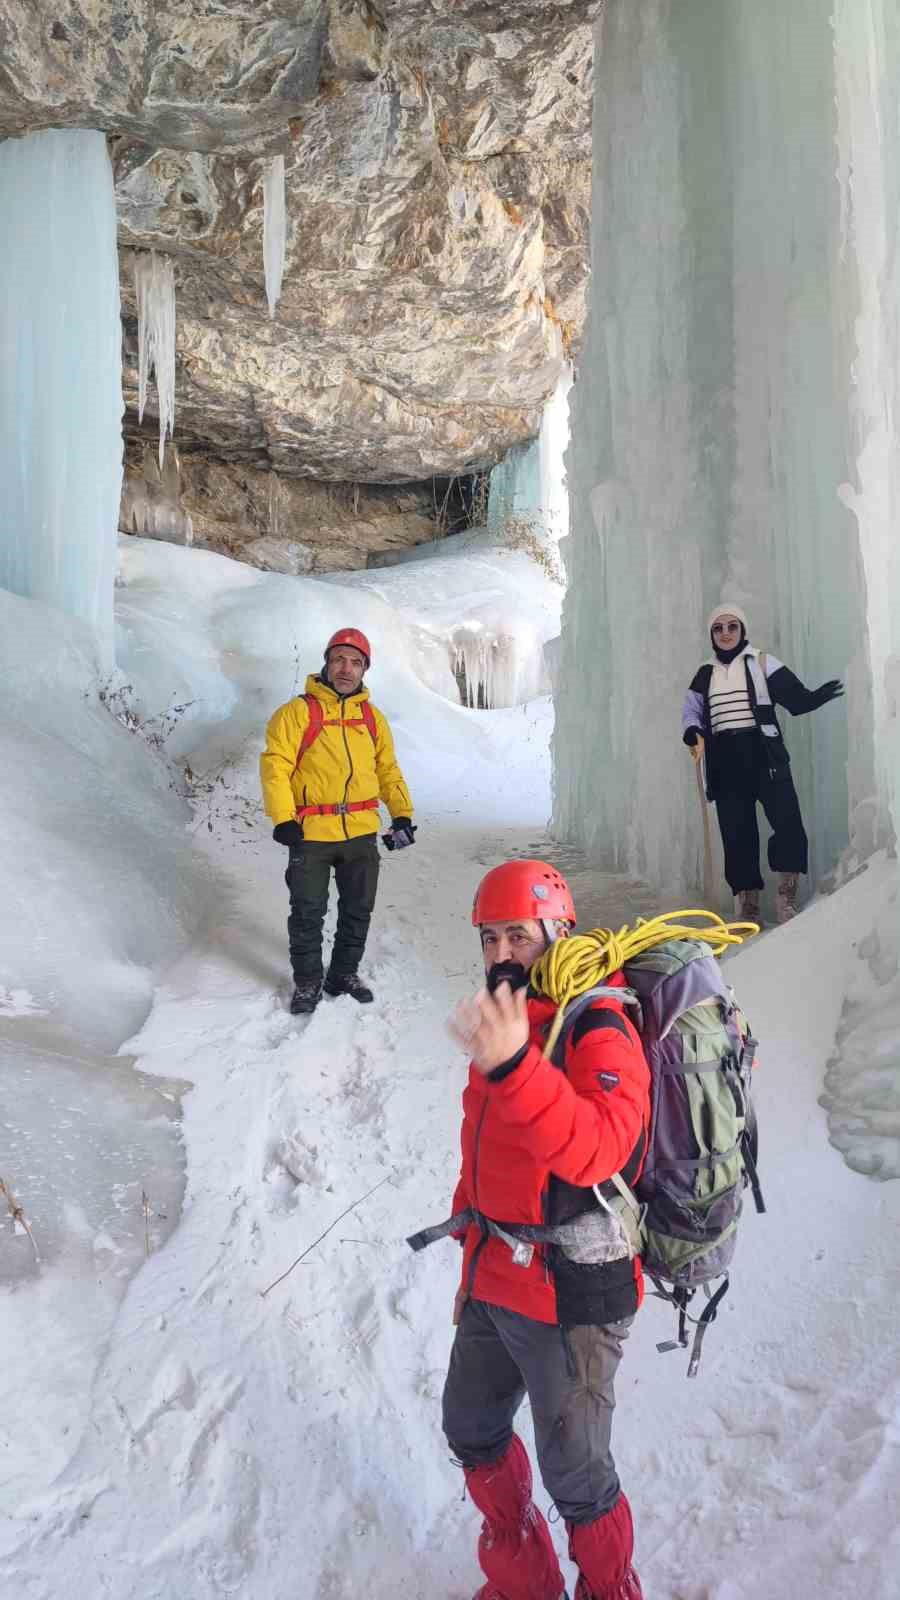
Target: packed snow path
290, 1445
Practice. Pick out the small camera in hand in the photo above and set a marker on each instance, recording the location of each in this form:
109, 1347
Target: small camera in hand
401, 833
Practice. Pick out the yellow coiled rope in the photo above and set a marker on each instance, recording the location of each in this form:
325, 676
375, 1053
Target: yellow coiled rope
572, 966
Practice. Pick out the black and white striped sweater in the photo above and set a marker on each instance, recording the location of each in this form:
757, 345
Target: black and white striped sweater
723, 700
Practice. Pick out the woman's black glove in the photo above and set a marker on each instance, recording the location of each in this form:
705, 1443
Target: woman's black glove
288, 833
832, 690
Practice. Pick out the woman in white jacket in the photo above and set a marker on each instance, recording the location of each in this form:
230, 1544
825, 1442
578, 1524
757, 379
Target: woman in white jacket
729, 722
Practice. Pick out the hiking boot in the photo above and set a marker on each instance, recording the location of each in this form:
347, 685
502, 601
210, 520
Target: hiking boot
350, 983
746, 904
306, 996
786, 898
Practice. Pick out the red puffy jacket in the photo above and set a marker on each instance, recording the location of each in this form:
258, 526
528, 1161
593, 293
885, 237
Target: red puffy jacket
579, 1125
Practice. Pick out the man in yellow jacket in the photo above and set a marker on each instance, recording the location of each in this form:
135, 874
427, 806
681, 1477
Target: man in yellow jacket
329, 760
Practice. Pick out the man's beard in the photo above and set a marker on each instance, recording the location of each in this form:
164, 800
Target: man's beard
511, 972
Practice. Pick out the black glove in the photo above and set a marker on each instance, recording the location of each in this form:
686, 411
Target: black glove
288, 833
401, 833
832, 690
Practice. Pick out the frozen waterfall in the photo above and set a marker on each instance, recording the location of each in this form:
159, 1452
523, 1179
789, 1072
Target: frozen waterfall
274, 230
867, 73
60, 377
528, 487
498, 656
495, 668
736, 417
154, 288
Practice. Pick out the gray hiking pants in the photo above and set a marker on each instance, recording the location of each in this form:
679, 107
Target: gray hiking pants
498, 1356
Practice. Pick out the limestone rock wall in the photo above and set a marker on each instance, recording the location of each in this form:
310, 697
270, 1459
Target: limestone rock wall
438, 176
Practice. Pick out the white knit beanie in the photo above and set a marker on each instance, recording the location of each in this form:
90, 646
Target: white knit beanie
726, 609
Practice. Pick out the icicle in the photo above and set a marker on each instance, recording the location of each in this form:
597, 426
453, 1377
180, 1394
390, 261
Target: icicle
486, 666
274, 230
154, 287
274, 505
151, 503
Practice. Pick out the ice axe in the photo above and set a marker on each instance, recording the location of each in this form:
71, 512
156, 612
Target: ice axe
709, 881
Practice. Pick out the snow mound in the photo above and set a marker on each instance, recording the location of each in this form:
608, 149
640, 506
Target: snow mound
100, 886
480, 610
229, 643
862, 1080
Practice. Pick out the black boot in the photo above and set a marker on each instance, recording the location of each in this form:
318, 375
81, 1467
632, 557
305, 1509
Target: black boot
349, 983
306, 996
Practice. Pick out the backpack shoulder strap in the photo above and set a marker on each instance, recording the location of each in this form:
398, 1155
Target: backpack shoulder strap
315, 718
577, 1008
368, 717
574, 1010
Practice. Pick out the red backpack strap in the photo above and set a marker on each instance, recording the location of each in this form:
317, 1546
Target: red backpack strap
368, 717
316, 717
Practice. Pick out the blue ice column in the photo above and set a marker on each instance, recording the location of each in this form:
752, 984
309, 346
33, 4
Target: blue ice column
60, 376
735, 419
529, 484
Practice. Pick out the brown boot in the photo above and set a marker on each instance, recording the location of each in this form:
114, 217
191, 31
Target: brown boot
786, 898
746, 904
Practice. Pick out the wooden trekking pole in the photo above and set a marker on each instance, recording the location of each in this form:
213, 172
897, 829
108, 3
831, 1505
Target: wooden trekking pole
709, 881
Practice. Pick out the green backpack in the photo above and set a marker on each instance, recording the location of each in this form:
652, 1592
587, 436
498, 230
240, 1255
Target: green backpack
701, 1152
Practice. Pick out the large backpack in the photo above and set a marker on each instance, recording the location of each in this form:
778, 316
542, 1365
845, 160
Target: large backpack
701, 1151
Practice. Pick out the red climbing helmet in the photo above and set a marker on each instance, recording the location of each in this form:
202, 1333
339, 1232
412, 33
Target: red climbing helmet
355, 639
532, 890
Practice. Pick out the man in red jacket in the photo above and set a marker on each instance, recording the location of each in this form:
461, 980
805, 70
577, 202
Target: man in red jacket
539, 1144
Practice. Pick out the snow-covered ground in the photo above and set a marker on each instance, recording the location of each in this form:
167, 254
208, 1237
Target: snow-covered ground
208, 1438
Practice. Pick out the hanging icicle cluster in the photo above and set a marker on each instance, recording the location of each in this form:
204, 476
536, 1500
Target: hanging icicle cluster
486, 667
274, 230
154, 287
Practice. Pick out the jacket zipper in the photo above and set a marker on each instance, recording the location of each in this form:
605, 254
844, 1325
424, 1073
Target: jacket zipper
350, 773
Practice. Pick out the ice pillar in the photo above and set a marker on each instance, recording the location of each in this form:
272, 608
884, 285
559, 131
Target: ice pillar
60, 375
529, 486
736, 404
867, 63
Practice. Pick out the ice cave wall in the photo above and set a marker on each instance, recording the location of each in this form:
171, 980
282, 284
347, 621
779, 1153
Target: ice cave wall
735, 416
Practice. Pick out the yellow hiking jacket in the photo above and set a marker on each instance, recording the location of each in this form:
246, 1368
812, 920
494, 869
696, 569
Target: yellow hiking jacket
343, 764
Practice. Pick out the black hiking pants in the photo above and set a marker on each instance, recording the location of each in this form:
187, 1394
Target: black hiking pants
355, 866
498, 1357
743, 780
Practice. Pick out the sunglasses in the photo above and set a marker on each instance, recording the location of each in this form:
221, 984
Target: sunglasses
726, 627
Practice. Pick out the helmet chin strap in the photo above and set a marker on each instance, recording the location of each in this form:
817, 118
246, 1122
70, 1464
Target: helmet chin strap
551, 931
